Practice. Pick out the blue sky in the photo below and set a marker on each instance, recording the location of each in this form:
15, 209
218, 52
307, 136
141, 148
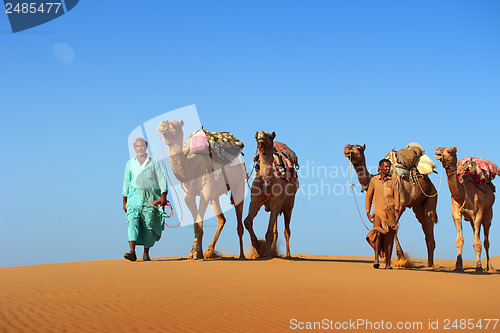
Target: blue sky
320, 74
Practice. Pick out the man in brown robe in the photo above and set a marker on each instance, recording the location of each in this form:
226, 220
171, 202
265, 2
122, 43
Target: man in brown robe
384, 193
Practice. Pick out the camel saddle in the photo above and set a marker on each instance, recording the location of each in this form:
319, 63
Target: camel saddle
285, 161
223, 147
477, 170
411, 162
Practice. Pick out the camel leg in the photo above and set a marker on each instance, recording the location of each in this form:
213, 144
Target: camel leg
275, 238
270, 230
252, 212
457, 219
191, 204
238, 196
287, 214
197, 250
477, 240
239, 217
221, 221
399, 250
426, 221
486, 230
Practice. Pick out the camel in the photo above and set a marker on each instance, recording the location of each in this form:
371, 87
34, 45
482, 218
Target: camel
421, 197
198, 179
276, 194
469, 201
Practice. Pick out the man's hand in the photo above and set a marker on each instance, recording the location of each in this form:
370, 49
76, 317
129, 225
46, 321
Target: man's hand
163, 199
162, 202
369, 217
125, 204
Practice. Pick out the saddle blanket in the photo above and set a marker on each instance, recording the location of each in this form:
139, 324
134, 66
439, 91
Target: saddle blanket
480, 170
285, 161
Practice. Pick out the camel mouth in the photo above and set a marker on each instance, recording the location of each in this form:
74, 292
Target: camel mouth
438, 154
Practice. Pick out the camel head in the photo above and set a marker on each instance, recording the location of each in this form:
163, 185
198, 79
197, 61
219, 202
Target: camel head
172, 131
265, 147
355, 153
447, 156
264, 141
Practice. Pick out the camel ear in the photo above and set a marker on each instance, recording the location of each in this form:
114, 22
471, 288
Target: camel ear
256, 134
364, 146
455, 149
273, 135
181, 123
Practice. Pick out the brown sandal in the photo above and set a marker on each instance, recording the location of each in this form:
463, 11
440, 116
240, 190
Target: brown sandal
130, 256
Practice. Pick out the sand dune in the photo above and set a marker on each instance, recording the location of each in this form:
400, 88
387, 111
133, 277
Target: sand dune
229, 295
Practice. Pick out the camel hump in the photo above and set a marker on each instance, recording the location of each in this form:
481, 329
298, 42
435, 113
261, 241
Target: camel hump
289, 154
223, 147
478, 169
285, 161
411, 157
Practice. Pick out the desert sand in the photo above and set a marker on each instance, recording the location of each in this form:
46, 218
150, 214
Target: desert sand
231, 295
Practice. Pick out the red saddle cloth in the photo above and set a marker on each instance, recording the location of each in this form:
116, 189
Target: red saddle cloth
480, 170
285, 161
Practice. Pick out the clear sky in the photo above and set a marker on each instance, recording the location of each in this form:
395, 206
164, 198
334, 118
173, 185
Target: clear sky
320, 74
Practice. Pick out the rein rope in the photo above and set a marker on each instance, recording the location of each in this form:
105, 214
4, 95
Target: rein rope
354, 194
178, 200
465, 200
439, 189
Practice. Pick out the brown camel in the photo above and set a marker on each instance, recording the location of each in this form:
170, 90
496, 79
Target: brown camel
469, 201
198, 178
421, 197
276, 194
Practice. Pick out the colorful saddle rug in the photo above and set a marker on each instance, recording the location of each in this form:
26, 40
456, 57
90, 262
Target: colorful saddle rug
285, 161
223, 147
480, 170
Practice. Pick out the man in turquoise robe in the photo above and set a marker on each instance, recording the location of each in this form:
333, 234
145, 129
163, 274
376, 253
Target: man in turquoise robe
143, 183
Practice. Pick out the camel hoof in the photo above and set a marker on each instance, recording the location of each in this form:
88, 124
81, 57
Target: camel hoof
242, 256
479, 269
459, 269
260, 248
196, 255
209, 254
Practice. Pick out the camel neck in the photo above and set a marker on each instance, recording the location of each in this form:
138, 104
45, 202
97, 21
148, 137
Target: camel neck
266, 162
179, 162
456, 189
362, 172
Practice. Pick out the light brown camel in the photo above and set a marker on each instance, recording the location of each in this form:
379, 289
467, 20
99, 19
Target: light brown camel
421, 197
276, 194
198, 179
474, 204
